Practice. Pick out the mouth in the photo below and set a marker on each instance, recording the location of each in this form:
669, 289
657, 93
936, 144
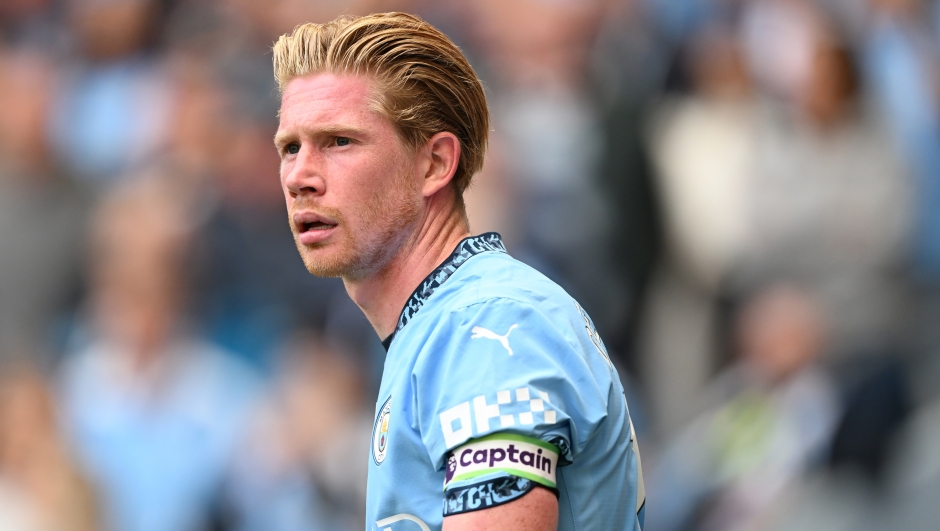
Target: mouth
307, 221
312, 228
315, 225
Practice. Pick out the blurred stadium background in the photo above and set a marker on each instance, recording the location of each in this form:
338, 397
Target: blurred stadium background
744, 194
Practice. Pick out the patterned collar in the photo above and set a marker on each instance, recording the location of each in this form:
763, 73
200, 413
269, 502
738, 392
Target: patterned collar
467, 248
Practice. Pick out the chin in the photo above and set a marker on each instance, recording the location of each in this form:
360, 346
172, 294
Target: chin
318, 269
323, 263
324, 266
319, 260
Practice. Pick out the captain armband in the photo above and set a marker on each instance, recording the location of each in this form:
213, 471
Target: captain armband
497, 469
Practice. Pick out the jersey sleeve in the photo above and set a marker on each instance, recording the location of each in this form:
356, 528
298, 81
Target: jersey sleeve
510, 386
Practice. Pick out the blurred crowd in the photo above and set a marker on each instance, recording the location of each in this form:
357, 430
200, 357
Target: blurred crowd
744, 194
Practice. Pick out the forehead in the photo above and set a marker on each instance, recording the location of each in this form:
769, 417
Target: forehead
325, 98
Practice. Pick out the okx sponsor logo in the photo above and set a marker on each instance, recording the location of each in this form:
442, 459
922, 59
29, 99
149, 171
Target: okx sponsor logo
521, 408
515, 455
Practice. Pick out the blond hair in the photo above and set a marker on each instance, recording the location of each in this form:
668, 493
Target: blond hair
425, 84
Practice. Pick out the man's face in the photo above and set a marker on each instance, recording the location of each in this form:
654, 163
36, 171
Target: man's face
353, 195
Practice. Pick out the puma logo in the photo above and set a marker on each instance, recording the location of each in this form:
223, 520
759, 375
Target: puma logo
479, 331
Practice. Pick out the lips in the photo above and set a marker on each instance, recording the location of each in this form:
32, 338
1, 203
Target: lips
312, 227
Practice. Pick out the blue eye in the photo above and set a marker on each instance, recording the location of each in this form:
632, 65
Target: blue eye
342, 141
293, 148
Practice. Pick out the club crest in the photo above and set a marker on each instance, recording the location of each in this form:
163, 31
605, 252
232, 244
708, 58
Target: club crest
380, 433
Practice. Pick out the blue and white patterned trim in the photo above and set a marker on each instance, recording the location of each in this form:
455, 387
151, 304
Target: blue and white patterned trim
467, 248
489, 493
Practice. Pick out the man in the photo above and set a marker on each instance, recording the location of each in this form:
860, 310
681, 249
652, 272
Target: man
498, 401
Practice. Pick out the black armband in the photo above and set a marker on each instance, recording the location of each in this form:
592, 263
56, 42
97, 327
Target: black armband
486, 494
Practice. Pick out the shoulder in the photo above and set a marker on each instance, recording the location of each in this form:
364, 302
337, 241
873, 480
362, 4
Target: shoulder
495, 295
492, 296
478, 271
499, 277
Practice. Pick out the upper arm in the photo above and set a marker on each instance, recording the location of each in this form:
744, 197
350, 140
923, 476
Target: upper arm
536, 511
508, 393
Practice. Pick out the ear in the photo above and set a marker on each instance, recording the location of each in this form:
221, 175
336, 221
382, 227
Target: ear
441, 154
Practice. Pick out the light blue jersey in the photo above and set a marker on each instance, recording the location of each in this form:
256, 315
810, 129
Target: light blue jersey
496, 381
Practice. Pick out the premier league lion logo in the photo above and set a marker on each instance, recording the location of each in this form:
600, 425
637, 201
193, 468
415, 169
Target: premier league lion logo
451, 469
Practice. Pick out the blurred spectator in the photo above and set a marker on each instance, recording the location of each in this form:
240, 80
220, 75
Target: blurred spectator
113, 100
153, 411
771, 419
42, 213
902, 52
702, 147
801, 180
199, 117
41, 489
303, 466
830, 199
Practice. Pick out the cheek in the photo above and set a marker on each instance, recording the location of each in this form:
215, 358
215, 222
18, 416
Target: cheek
283, 170
364, 181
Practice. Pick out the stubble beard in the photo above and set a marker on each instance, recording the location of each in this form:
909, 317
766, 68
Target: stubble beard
387, 221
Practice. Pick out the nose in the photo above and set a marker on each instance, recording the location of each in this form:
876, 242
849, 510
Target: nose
303, 175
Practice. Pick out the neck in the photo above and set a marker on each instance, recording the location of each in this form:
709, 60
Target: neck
382, 296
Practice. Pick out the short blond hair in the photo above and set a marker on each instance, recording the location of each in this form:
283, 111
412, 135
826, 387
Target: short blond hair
426, 85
